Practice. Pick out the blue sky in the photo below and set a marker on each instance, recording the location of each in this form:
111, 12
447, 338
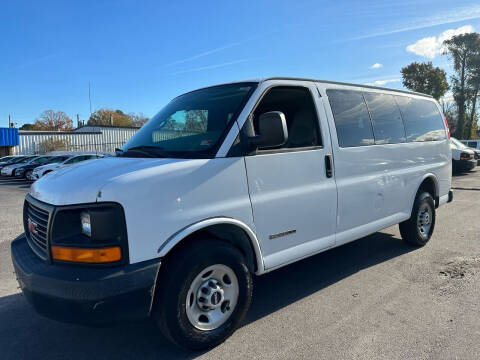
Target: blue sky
139, 54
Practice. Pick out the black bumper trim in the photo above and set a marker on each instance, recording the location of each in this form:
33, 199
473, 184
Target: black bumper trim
84, 295
450, 196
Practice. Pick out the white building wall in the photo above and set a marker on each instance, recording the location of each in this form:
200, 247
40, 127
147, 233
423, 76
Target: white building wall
87, 138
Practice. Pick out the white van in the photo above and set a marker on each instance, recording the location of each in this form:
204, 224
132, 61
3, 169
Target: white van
223, 183
474, 144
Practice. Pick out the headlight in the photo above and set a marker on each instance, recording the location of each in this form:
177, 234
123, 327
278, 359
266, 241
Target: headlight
86, 225
90, 233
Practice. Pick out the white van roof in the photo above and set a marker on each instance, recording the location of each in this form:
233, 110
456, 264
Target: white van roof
258, 80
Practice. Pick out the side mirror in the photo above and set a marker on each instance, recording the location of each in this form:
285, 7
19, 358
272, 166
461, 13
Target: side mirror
273, 130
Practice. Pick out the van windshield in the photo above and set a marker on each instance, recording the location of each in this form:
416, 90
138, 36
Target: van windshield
192, 125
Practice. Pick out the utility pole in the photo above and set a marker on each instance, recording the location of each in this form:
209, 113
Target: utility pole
9, 121
89, 98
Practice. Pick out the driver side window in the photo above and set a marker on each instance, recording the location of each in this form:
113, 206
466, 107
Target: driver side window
296, 103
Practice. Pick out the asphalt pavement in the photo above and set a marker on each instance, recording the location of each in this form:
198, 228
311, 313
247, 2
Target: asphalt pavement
375, 298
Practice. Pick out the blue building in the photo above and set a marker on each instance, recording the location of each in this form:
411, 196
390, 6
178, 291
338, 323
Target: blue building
8, 139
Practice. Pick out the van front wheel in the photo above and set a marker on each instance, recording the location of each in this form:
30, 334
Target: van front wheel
419, 228
203, 294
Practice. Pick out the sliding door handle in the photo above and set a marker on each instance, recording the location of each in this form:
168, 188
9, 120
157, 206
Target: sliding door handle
328, 166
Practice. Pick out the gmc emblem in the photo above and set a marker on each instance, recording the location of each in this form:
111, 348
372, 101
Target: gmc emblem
32, 227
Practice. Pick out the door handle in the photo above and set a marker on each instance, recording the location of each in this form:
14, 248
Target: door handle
328, 166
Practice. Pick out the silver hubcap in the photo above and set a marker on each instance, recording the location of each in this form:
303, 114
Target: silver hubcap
212, 297
424, 220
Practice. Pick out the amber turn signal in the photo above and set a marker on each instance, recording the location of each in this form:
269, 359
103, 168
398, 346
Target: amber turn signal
101, 255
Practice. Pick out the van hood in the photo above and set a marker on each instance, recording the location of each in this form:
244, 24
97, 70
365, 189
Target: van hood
82, 182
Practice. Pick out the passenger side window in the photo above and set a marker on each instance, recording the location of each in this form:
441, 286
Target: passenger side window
472, 144
386, 118
423, 121
352, 121
296, 103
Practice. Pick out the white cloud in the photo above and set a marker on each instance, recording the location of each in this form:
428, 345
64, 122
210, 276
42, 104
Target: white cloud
383, 82
432, 46
376, 66
448, 97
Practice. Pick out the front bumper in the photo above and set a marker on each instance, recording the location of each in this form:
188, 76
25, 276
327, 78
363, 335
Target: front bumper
464, 165
82, 294
6, 172
31, 176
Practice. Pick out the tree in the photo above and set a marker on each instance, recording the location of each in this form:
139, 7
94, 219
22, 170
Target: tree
464, 50
109, 117
425, 78
473, 92
27, 127
52, 144
196, 121
50, 120
138, 119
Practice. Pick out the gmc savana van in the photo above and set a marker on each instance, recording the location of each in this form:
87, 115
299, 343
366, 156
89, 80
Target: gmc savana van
223, 183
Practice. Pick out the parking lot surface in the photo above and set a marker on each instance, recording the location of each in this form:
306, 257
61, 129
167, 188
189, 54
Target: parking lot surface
376, 298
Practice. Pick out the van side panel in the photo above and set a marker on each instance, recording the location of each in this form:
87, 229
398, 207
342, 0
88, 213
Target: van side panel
377, 184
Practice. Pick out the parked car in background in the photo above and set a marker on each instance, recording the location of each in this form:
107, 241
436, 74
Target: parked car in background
6, 158
40, 171
10, 160
25, 171
463, 158
475, 144
9, 170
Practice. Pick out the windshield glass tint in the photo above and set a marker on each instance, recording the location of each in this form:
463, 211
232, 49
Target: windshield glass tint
55, 160
73, 160
41, 160
25, 160
194, 123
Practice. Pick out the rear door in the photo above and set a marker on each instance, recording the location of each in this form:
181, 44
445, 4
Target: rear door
293, 199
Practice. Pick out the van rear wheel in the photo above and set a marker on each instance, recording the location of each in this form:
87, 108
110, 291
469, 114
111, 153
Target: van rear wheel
419, 228
203, 294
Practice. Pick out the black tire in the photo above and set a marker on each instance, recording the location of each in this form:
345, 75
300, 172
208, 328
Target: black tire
173, 285
410, 229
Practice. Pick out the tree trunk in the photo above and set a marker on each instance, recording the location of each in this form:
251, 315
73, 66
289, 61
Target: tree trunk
461, 101
472, 114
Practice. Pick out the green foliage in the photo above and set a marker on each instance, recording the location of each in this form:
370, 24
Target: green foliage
425, 78
464, 50
27, 127
109, 117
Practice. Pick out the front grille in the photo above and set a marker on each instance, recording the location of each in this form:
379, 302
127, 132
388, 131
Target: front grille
36, 227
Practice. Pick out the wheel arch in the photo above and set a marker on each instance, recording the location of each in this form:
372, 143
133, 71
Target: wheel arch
429, 182
226, 229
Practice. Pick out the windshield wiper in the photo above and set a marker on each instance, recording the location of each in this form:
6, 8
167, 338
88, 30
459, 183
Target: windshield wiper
148, 150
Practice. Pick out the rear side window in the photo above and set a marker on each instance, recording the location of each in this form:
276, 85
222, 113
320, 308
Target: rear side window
387, 120
423, 121
351, 118
472, 144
